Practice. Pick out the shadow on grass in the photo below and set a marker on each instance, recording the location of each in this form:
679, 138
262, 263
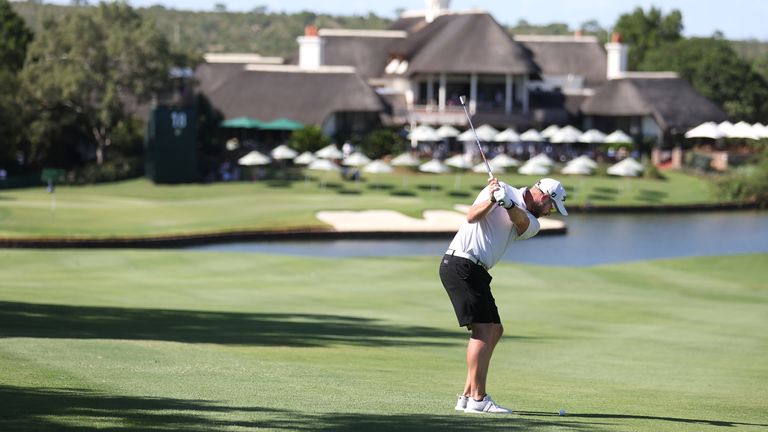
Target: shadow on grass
43, 409
724, 423
260, 329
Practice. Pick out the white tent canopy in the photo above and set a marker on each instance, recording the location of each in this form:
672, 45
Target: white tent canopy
480, 168
567, 134
531, 135
541, 159
405, 159
434, 166
329, 152
507, 135
533, 168
725, 127
577, 170
484, 133
447, 131
305, 158
356, 159
424, 133
505, 161
283, 152
705, 130
592, 136
253, 158
618, 137
377, 167
323, 165
550, 131
583, 161
743, 130
628, 167
460, 161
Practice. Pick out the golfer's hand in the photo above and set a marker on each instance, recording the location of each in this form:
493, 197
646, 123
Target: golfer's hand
500, 195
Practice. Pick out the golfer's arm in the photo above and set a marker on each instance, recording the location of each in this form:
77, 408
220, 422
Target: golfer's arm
519, 218
479, 210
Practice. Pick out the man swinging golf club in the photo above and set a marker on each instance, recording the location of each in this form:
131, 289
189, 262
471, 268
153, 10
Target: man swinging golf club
499, 216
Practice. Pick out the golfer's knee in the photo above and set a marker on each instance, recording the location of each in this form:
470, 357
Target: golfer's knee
499, 331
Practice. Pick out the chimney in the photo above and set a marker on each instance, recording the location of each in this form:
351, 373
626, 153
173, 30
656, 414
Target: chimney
310, 49
435, 8
617, 57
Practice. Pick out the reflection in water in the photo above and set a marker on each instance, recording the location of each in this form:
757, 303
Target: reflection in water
591, 240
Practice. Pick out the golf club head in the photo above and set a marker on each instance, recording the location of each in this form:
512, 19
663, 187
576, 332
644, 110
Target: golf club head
463, 100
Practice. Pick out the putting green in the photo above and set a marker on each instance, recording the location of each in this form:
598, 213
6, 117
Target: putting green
167, 340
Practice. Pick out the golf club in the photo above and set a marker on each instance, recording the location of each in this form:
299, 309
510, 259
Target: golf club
463, 100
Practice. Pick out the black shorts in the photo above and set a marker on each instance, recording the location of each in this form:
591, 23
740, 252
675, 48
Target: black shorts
469, 287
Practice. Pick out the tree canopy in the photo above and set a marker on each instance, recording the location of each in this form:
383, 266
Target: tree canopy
644, 32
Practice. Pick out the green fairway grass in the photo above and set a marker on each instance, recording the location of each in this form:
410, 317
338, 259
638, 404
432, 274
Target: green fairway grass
175, 341
139, 208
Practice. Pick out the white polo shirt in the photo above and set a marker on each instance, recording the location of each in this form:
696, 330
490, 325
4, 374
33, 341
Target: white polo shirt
488, 238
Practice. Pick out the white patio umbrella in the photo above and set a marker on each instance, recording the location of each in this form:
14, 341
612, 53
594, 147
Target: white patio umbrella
531, 135
618, 137
447, 131
485, 133
377, 167
583, 161
253, 158
323, 165
592, 136
628, 167
480, 168
761, 129
405, 159
541, 159
534, 168
725, 127
507, 135
460, 161
434, 166
329, 152
577, 170
567, 134
550, 131
504, 161
705, 130
424, 133
283, 152
745, 130
356, 159
305, 158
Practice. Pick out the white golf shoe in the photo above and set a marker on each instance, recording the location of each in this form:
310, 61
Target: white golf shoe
485, 406
461, 404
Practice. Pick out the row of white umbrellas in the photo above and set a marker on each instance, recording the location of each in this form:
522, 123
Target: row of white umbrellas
728, 130
486, 133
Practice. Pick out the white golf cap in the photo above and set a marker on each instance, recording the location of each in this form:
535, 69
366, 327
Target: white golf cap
556, 191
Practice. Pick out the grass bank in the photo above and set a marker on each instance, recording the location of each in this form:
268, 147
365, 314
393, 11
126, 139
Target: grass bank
166, 340
139, 208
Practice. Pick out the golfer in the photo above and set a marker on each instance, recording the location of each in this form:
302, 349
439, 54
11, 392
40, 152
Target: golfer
499, 216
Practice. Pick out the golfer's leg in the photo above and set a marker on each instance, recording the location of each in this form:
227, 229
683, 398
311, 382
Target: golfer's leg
479, 352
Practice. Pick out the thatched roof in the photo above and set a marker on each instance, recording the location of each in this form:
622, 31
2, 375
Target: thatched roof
268, 92
463, 43
365, 50
565, 55
673, 102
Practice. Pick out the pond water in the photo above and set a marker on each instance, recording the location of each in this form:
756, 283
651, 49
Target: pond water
591, 239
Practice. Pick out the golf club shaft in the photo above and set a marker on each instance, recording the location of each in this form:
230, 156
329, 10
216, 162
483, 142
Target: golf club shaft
463, 100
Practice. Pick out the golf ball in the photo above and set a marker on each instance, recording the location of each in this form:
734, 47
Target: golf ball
562, 412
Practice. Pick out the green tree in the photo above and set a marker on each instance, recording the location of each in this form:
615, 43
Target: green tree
644, 32
716, 70
381, 142
94, 63
309, 138
14, 38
